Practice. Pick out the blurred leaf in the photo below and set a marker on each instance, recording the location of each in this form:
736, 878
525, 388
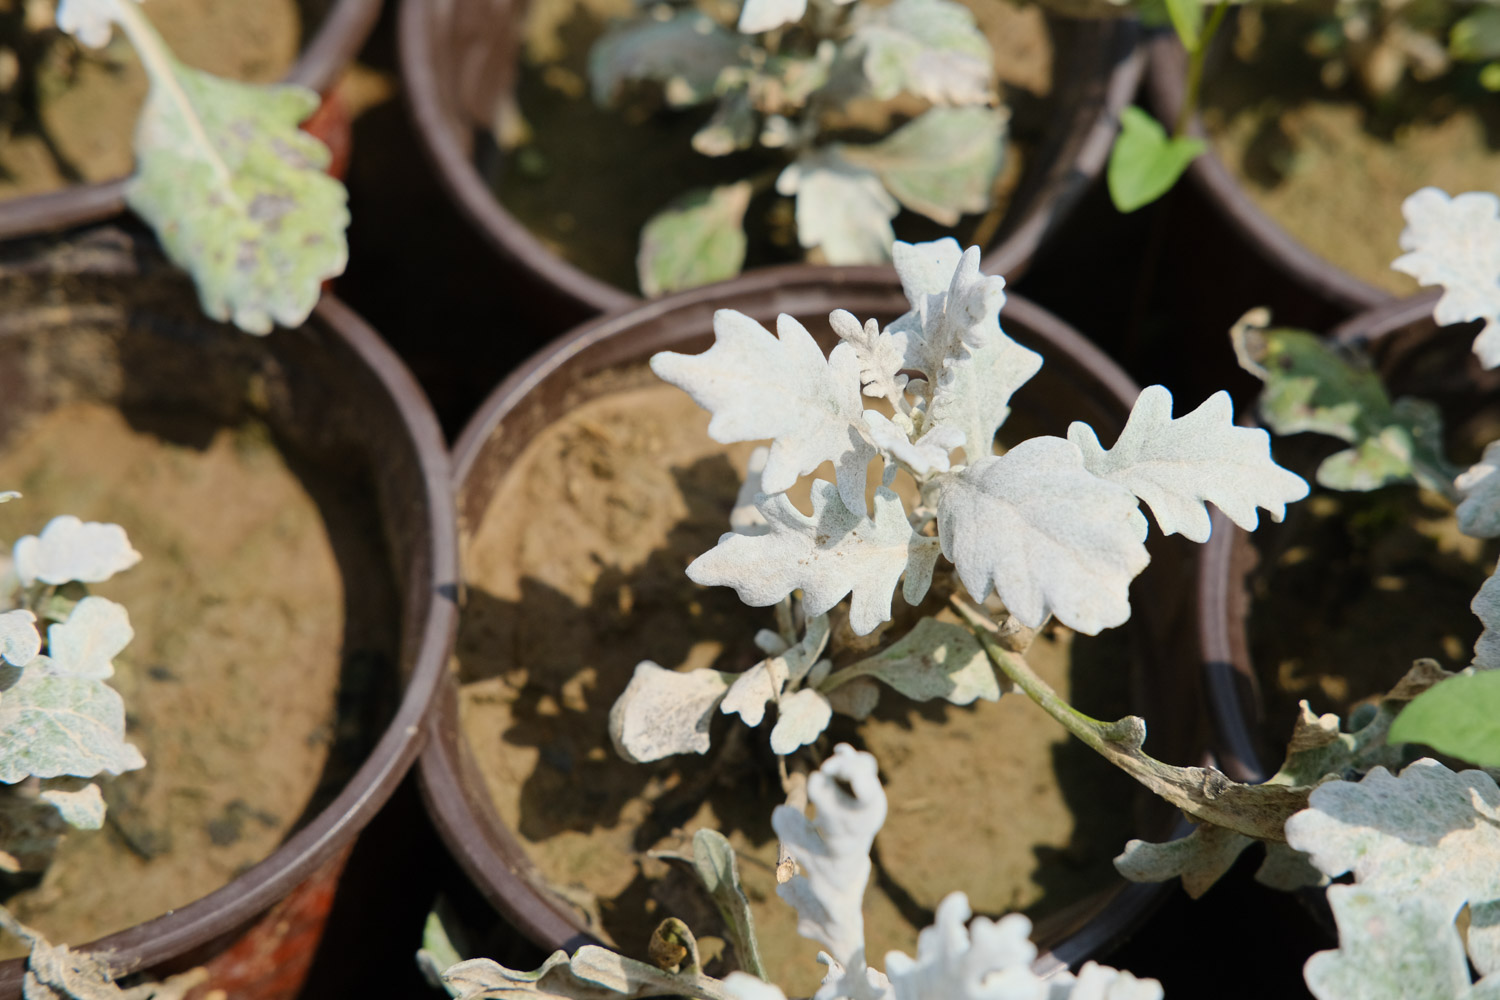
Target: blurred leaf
1145, 162
1477, 36
841, 208
685, 54
699, 239
942, 163
1187, 19
931, 48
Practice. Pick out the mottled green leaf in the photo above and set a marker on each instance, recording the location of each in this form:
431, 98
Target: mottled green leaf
1476, 37
942, 163
699, 239
1459, 717
717, 867
52, 725
842, 209
685, 54
931, 48
1145, 162
934, 660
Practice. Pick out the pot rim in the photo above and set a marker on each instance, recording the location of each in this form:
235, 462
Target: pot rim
232, 906
1079, 144
1165, 86
332, 47
450, 784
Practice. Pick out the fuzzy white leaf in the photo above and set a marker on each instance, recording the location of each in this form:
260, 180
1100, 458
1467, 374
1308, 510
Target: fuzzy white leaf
1390, 948
856, 699
987, 958
924, 456
881, 355
931, 48
934, 660
1176, 466
743, 986
953, 337
761, 386
82, 809
842, 209
1429, 832
833, 852
1455, 242
52, 725
1048, 535
802, 719
828, 555
1100, 982
1479, 513
20, 642
1486, 605
664, 712
757, 16
85, 645
753, 689
746, 518
89, 21
68, 549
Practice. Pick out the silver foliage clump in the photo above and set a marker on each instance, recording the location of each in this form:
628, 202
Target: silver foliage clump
1053, 526
1455, 242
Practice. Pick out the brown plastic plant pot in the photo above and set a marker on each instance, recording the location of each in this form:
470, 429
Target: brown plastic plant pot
1166, 85
458, 58
331, 48
1415, 357
102, 317
1077, 381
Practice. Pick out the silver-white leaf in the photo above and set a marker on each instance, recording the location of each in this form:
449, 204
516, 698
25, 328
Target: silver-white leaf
69, 549
52, 725
1176, 466
746, 518
1455, 242
931, 48
86, 644
934, 660
842, 209
924, 456
1479, 512
828, 555
1049, 536
761, 386
82, 808
801, 718
1390, 948
1486, 605
20, 642
753, 689
664, 712
757, 16
881, 355
89, 21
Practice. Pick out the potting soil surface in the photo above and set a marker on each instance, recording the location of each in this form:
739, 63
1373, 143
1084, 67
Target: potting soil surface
576, 575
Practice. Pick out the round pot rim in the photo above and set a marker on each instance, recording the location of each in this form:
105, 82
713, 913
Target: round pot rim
1165, 85
332, 47
1082, 149
230, 907
468, 824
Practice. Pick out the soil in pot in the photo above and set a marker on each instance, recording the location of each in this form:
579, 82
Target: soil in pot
1331, 166
69, 116
589, 178
262, 658
576, 574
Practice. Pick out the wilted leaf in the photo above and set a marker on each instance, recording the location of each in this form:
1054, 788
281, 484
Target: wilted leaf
942, 163
1479, 513
931, 48
52, 725
699, 239
82, 808
828, 555
237, 194
1455, 242
1459, 717
685, 53
719, 871
68, 549
593, 974
1145, 162
842, 209
1048, 535
19, 639
801, 718
758, 386
663, 712
934, 660
87, 643
1176, 466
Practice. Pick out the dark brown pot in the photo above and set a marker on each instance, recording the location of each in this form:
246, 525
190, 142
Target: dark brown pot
331, 48
1415, 357
334, 395
1077, 381
459, 57
1166, 79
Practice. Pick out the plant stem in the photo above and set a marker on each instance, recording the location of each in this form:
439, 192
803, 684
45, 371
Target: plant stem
1195, 71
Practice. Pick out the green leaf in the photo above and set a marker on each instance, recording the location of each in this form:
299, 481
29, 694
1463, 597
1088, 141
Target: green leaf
942, 163
1459, 717
699, 239
714, 860
1145, 163
1187, 19
1476, 37
52, 725
934, 660
685, 53
237, 194
842, 209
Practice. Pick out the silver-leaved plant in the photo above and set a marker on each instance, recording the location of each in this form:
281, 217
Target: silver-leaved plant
236, 192
61, 724
958, 958
1455, 242
777, 79
1052, 527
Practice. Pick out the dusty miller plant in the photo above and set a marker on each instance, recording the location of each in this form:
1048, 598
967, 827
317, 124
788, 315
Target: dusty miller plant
61, 724
1053, 527
778, 80
235, 191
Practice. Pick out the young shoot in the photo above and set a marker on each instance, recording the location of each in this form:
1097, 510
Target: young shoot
783, 81
61, 724
1052, 527
235, 191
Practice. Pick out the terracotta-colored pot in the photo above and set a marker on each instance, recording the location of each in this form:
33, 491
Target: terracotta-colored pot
1077, 381
334, 395
459, 57
330, 49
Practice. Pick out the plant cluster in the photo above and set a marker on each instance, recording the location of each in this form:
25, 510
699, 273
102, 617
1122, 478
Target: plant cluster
783, 79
